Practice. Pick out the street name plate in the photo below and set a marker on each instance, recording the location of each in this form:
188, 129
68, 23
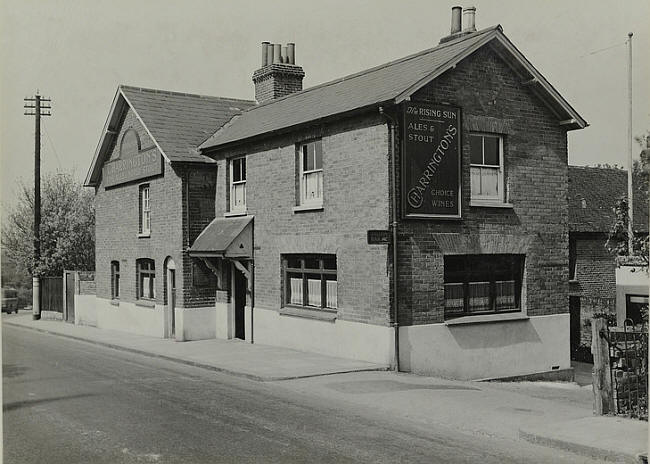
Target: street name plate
378, 237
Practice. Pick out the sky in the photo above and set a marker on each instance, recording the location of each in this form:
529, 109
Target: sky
77, 52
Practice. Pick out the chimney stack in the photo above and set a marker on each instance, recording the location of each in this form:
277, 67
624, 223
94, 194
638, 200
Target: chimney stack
279, 75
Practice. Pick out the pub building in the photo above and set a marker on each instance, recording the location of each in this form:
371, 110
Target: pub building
413, 214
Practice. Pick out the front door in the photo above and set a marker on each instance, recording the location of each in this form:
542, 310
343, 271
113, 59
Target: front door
171, 298
240, 303
574, 324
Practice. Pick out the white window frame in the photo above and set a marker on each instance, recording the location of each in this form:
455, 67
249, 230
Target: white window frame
489, 199
240, 184
304, 174
145, 210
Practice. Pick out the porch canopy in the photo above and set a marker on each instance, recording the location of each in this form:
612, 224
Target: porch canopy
225, 238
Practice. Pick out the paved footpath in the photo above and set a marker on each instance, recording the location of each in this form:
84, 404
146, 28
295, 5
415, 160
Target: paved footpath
554, 414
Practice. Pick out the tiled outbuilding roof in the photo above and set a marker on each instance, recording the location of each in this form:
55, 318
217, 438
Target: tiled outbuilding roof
177, 122
592, 195
389, 83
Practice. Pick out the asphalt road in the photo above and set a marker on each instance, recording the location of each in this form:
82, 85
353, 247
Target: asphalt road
66, 401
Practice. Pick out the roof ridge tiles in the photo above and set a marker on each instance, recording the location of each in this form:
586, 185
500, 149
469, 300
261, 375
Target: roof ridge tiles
184, 94
381, 66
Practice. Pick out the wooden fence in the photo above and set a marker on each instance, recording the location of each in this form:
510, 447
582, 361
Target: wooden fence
52, 294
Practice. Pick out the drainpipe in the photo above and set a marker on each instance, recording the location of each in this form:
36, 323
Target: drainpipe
391, 147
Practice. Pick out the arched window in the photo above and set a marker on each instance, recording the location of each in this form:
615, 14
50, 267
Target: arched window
146, 278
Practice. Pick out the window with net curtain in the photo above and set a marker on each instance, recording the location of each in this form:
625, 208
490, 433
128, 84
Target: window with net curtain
486, 168
482, 284
146, 279
310, 281
238, 185
311, 173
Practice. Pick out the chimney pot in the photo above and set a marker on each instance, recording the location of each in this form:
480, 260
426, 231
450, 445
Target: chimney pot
277, 53
456, 12
469, 14
269, 53
291, 52
265, 53
285, 57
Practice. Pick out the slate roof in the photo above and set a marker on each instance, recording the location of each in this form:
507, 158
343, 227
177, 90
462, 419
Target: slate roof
178, 122
391, 82
600, 188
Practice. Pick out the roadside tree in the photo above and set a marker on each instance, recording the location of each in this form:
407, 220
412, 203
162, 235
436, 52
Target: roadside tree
67, 227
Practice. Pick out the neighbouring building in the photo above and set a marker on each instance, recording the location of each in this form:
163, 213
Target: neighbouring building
284, 215
593, 270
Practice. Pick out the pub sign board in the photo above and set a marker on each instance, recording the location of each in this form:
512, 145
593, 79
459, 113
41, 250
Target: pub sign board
431, 161
137, 166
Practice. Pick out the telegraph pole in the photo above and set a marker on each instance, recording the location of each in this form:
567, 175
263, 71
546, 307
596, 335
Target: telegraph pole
37, 106
630, 166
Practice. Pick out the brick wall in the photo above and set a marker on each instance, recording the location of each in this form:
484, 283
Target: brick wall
117, 219
536, 177
595, 280
595, 268
199, 206
277, 80
355, 183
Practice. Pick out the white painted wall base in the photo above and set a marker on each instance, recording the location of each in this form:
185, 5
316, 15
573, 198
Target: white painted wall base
195, 323
222, 321
85, 310
127, 317
486, 350
344, 339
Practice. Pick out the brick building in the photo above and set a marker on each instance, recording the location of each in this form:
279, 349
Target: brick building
153, 195
592, 195
458, 152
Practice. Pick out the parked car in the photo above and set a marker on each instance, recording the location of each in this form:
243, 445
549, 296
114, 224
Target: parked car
9, 300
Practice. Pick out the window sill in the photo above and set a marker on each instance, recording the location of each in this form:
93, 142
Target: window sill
574, 281
146, 303
486, 318
147, 235
490, 204
115, 302
235, 213
301, 208
320, 315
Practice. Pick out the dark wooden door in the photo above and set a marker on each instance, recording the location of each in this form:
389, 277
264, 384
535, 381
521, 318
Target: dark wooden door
69, 295
574, 323
240, 303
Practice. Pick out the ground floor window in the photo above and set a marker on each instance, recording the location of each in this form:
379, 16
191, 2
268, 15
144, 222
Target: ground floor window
482, 284
146, 279
636, 308
115, 279
309, 281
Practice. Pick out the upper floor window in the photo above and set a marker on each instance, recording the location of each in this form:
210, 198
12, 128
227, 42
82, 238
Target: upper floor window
310, 281
311, 173
115, 279
482, 284
145, 210
146, 278
486, 167
238, 185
